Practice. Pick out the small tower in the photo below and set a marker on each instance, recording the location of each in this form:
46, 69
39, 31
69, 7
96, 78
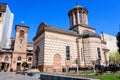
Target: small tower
20, 45
78, 16
21, 38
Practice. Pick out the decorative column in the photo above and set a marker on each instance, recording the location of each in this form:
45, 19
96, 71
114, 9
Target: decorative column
80, 18
74, 23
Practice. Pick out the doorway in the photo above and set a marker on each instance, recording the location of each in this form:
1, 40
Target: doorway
57, 63
18, 66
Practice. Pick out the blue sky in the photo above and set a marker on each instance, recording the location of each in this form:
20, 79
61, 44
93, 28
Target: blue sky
104, 15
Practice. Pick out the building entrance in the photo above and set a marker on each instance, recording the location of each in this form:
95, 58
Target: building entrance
57, 63
4, 66
18, 66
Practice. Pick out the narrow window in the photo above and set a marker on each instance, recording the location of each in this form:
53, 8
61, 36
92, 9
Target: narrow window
19, 58
80, 17
21, 34
67, 52
21, 41
6, 58
29, 59
76, 17
99, 56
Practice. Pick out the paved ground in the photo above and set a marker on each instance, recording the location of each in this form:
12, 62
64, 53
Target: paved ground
14, 76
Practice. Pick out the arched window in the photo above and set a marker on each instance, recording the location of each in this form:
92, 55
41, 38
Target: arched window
19, 58
29, 59
21, 33
6, 58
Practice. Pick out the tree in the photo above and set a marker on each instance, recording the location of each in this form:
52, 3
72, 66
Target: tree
24, 64
115, 58
118, 41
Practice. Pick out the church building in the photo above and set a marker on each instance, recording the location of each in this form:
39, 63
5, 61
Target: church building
55, 49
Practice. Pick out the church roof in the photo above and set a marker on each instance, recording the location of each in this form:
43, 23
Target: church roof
44, 27
61, 30
87, 34
78, 6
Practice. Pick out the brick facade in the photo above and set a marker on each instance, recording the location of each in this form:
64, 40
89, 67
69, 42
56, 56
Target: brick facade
85, 46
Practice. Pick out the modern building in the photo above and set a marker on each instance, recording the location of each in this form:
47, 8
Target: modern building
20, 51
6, 22
56, 49
111, 42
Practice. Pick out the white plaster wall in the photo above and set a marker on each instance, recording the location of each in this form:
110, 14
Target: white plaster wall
111, 42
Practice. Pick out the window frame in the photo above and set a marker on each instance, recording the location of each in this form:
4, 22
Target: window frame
19, 58
67, 52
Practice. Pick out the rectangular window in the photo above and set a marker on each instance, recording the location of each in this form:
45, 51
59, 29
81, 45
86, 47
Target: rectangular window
99, 56
76, 18
67, 52
21, 43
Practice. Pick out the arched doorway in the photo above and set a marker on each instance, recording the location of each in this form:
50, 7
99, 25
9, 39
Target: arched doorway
57, 63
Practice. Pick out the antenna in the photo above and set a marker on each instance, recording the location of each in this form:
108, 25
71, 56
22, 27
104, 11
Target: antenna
22, 22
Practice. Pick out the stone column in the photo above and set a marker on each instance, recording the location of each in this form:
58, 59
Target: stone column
84, 18
74, 23
80, 18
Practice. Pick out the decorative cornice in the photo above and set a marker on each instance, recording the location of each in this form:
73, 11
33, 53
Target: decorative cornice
83, 10
19, 52
40, 33
43, 27
21, 26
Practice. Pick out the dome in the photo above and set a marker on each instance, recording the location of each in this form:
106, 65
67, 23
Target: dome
78, 6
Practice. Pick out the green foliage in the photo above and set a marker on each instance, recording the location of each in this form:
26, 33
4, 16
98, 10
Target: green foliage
114, 57
24, 64
118, 41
